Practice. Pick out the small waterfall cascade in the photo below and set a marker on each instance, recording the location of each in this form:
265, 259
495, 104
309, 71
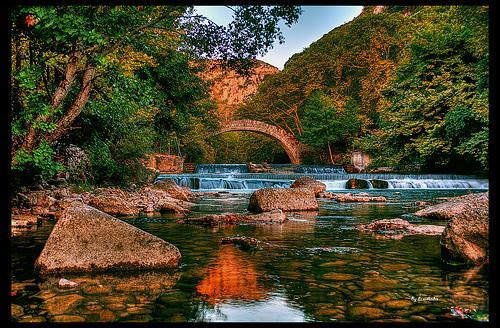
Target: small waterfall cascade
221, 168
320, 169
334, 181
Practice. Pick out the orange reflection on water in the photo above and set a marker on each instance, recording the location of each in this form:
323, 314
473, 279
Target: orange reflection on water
231, 277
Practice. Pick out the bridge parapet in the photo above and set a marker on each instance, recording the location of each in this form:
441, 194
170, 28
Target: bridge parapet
287, 140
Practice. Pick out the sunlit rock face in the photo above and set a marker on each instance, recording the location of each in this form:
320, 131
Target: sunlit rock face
231, 277
230, 89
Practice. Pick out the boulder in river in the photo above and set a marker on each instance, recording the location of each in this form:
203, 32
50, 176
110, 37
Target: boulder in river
354, 183
310, 183
465, 238
174, 191
88, 240
454, 206
285, 199
113, 205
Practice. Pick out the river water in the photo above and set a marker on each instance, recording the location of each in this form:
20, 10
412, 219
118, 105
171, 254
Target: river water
319, 269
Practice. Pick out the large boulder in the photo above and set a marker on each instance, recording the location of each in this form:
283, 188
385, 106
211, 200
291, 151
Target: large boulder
173, 190
113, 205
310, 183
354, 183
285, 199
88, 240
465, 238
454, 206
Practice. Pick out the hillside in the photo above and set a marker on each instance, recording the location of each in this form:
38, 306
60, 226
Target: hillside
401, 83
229, 89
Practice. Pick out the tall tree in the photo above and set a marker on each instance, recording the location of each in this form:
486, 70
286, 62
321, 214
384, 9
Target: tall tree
61, 52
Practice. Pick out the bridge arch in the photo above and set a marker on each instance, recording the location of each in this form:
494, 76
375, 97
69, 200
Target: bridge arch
287, 140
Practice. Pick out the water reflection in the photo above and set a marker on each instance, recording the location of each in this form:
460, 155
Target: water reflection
231, 277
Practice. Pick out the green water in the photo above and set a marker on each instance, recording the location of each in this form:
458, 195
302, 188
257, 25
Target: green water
320, 269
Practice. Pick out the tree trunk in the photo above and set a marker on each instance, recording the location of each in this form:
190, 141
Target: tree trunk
30, 141
76, 108
330, 152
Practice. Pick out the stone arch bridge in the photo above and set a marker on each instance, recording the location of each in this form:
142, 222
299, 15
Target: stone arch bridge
287, 140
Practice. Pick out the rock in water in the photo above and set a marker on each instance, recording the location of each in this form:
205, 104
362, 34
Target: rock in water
285, 199
454, 206
86, 239
169, 185
465, 238
65, 283
310, 183
354, 183
113, 205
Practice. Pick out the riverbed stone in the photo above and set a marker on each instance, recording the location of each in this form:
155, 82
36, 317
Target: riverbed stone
87, 240
339, 276
61, 304
16, 311
68, 318
380, 283
398, 304
285, 199
309, 183
365, 313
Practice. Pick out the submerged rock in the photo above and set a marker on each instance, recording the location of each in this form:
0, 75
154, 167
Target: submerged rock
275, 216
86, 239
454, 206
246, 243
398, 228
349, 197
465, 238
309, 183
285, 199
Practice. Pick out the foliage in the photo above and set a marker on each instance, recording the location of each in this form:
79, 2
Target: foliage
439, 109
249, 146
411, 80
117, 80
323, 124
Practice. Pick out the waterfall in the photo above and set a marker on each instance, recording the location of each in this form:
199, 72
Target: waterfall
221, 168
333, 181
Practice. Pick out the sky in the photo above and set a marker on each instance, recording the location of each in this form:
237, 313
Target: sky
314, 22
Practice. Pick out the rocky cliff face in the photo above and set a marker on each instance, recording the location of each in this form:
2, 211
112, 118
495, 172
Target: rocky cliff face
230, 89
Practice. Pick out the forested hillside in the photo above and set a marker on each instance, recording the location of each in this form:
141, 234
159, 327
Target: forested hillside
408, 85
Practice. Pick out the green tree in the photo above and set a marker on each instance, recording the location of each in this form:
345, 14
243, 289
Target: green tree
439, 109
61, 53
324, 125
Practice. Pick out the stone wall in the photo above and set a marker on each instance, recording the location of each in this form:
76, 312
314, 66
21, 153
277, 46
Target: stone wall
165, 163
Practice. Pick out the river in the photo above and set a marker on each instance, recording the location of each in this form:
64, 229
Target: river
320, 270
